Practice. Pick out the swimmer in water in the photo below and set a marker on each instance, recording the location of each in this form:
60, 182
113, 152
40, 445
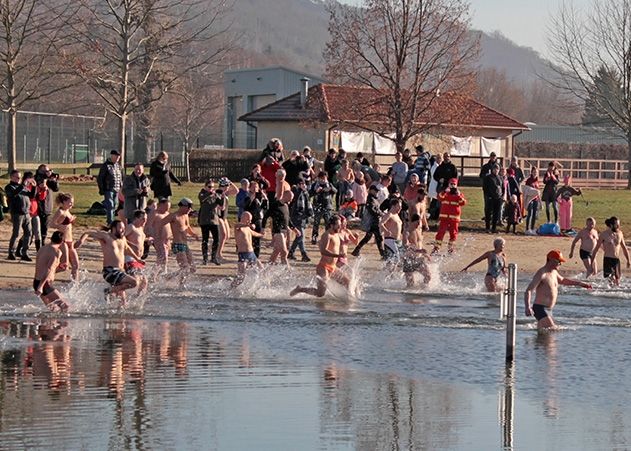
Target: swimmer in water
496, 260
589, 239
330, 250
545, 284
47, 263
346, 236
612, 242
181, 229
135, 236
243, 233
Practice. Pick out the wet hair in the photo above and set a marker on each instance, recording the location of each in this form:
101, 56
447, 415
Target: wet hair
112, 226
332, 220
63, 197
57, 237
139, 214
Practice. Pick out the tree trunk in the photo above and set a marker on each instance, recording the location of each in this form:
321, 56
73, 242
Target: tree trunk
187, 164
629, 160
122, 139
11, 139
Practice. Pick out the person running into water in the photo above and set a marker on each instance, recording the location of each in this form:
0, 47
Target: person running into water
415, 258
181, 229
162, 235
63, 220
392, 227
330, 250
47, 264
135, 236
114, 246
545, 284
612, 240
346, 236
496, 260
589, 239
243, 233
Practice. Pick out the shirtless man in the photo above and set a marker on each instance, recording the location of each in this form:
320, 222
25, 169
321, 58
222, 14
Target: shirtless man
181, 229
589, 239
391, 227
612, 240
162, 234
47, 263
243, 233
545, 284
114, 246
329, 246
135, 236
415, 258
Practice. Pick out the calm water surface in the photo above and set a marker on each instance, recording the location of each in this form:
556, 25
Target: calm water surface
208, 368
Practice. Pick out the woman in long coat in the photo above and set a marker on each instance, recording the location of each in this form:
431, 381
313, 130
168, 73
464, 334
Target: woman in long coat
161, 176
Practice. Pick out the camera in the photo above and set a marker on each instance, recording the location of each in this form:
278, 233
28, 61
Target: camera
453, 190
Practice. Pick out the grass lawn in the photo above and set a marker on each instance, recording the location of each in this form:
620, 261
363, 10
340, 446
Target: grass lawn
600, 204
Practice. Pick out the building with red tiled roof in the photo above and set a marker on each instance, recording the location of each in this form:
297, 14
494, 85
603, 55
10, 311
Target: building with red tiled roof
320, 115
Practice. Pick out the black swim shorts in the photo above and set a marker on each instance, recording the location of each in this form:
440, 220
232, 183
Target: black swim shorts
46, 289
611, 266
112, 275
539, 311
584, 254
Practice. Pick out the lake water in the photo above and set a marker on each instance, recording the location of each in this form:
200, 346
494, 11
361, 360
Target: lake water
204, 367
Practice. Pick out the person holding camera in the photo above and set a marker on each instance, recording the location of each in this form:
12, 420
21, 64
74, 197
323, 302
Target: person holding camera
48, 181
256, 204
110, 180
451, 200
208, 220
135, 190
300, 210
550, 182
493, 189
322, 192
19, 192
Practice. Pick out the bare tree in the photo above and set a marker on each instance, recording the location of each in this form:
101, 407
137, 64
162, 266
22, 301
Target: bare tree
406, 52
32, 35
193, 107
584, 43
133, 51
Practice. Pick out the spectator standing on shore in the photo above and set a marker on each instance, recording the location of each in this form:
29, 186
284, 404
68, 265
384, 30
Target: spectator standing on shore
135, 190
445, 172
110, 182
519, 173
434, 206
492, 186
161, 176
407, 158
322, 192
532, 200
360, 193
421, 164
296, 167
451, 203
256, 204
399, 171
550, 181
564, 198
300, 210
274, 148
19, 200
45, 177
484, 171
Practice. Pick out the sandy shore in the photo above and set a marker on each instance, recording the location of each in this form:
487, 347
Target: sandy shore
526, 251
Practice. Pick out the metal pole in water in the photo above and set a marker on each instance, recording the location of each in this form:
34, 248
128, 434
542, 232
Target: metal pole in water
511, 319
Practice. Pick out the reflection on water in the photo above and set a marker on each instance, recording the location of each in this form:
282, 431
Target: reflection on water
122, 383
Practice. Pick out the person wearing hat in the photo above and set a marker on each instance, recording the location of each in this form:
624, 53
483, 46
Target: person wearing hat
451, 200
110, 181
181, 230
545, 284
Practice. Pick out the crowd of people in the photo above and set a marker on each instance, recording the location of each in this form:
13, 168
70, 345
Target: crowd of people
285, 199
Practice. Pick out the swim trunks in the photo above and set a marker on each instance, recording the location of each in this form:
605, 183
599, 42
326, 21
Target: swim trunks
179, 248
411, 263
132, 266
46, 289
112, 275
611, 266
584, 254
327, 267
280, 218
248, 257
391, 248
539, 311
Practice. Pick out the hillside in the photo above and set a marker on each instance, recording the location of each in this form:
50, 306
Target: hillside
294, 33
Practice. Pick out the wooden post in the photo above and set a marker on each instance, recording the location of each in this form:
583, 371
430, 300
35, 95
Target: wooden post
511, 319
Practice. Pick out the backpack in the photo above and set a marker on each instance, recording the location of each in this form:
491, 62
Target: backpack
549, 229
96, 209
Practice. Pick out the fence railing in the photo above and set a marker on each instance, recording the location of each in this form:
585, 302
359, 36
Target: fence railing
586, 173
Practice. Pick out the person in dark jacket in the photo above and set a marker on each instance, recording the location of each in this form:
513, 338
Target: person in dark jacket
208, 219
256, 204
445, 172
486, 170
492, 187
161, 176
135, 190
296, 167
19, 200
274, 148
322, 192
110, 181
45, 207
300, 210
370, 222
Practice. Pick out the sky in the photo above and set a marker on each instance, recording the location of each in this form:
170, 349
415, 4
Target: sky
522, 21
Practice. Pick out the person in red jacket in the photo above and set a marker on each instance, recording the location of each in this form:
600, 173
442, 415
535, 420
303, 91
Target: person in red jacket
450, 202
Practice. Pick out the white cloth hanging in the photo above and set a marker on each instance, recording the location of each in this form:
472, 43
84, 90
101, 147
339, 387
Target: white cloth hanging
491, 145
460, 146
352, 142
384, 146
